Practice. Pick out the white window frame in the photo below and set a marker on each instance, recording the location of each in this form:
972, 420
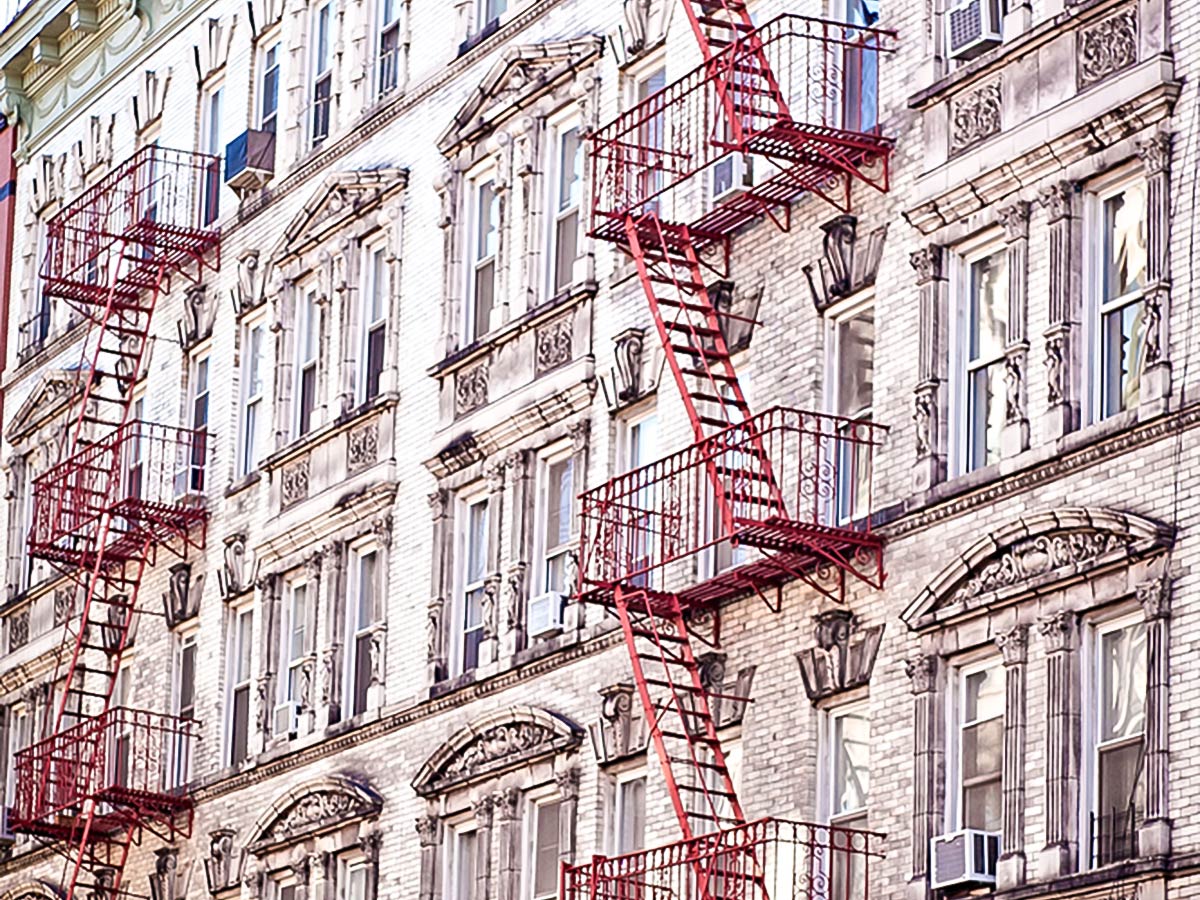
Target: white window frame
195, 472
632, 421
462, 552
455, 832
252, 407
1094, 305
548, 458
263, 119
349, 865
639, 76
386, 25
280, 883
616, 826
372, 290
827, 803
290, 665
17, 742
183, 753
354, 630
309, 308
956, 711
1092, 631
534, 802
481, 13
964, 256
850, 308
211, 143
558, 126
234, 684
475, 181
322, 71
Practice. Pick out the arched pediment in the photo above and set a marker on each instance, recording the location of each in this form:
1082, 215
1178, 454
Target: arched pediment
497, 742
32, 890
1032, 554
341, 197
312, 808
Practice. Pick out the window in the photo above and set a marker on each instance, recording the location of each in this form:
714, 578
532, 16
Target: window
293, 649
473, 541
185, 703
568, 195
860, 87
211, 129
641, 449
556, 523
1117, 221
389, 46
268, 104
240, 650
629, 814
375, 304
652, 130
282, 888
848, 777
490, 12
485, 244
322, 80
363, 600
983, 314
253, 339
1118, 740
199, 385
543, 849
461, 870
20, 736
980, 746
354, 879
307, 349
850, 385
120, 751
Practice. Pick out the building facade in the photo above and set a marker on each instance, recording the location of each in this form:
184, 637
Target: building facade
412, 358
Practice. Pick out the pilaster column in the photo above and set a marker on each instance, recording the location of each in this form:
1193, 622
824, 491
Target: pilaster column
568, 790
507, 804
928, 758
1154, 836
489, 646
483, 811
440, 578
1155, 393
1015, 436
512, 617
1013, 646
1060, 635
929, 397
429, 831
1061, 355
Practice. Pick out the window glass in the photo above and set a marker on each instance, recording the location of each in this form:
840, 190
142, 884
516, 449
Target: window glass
545, 850
462, 868
269, 104
252, 396
1122, 314
630, 815
486, 243
559, 523
851, 764
987, 334
474, 571
1120, 744
570, 191
982, 747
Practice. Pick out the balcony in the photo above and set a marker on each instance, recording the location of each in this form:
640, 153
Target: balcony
143, 482
121, 235
770, 859
803, 95
129, 762
784, 495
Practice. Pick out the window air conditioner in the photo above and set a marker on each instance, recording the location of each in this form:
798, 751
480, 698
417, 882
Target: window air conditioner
731, 175
287, 717
964, 857
972, 28
545, 614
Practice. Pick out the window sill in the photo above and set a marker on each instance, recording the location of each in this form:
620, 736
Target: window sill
323, 433
241, 484
1110, 876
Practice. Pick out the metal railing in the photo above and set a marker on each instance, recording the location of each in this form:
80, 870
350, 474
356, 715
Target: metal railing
825, 72
143, 475
122, 757
782, 471
32, 334
769, 859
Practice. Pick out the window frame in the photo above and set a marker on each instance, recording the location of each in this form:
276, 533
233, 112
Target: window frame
183, 755
836, 316
368, 327
558, 126
199, 361
617, 825
268, 121
462, 585
535, 801
962, 367
234, 683
348, 865
483, 175
827, 807
212, 96
1096, 308
456, 831
321, 77
28, 714
292, 665
309, 308
251, 404
955, 788
384, 26
483, 21
638, 89
628, 424
546, 460
355, 631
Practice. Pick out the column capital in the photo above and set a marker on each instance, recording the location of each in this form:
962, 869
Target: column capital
922, 671
1154, 595
1155, 153
928, 263
1014, 644
1059, 630
1014, 218
1058, 199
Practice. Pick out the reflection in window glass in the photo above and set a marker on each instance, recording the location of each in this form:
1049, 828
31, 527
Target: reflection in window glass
987, 334
1122, 320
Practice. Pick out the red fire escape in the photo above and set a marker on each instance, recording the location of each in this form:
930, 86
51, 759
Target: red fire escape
123, 489
758, 499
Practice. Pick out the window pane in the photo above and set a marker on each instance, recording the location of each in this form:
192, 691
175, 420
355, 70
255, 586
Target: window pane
187, 681
981, 806
476, 542
1123, 682
559, 494
631, 815
851, 765
982, 749
856, 363
244, 646
1125, 242
241, 723
1123, 335
368, 576
485, 298
362, 673
494, 9
642, 438
985, 399
984, 694
464, 870
570, 172
322, 62
566, 249
545, 851
299, 620
487, 216
988, 326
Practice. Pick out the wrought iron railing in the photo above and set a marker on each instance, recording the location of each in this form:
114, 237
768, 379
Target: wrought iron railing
780, 476
769, 859
32, 334
825, 72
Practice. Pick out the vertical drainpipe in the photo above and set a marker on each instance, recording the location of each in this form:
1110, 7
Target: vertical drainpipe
8, 206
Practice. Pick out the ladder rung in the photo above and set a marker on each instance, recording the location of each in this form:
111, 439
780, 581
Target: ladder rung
699, 763
715, 422
743, 473
659, 636
689, 688
696, 789
701, 373
725, 23
701, 330
690, 307
699, 351
725, 401
702, 738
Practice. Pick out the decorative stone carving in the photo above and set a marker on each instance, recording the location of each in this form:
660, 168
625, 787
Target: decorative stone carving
627, 373
427, 830
199, 315
1056, 371
471, 388
847, 265
1029, 559
553, 343
382, 528
1059, 630
1013, 644
724, 708
1155, 598
250, 290
975, 116
922, 671
362, 446
924, 400
219, 868
514, 597
619, 733
293, 482
318, 809
1106, 47
182, 600
844, 655
166, 882
567, 782
502, 740
927, 262
233, 579
148, 103
64, 605
18, 629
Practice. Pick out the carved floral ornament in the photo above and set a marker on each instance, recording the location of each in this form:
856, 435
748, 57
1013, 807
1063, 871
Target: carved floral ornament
1032, 553
975, 116
313, 808
1107, 47
497, 742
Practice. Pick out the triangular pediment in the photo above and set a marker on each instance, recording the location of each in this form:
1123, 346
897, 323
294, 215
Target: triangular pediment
1032, 554
54, 392
520, 75
342, 196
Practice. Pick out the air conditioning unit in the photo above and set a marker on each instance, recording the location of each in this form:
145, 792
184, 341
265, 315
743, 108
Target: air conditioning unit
250, 160
287, 718
972, 28
964, 857
545, 614
731, 175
